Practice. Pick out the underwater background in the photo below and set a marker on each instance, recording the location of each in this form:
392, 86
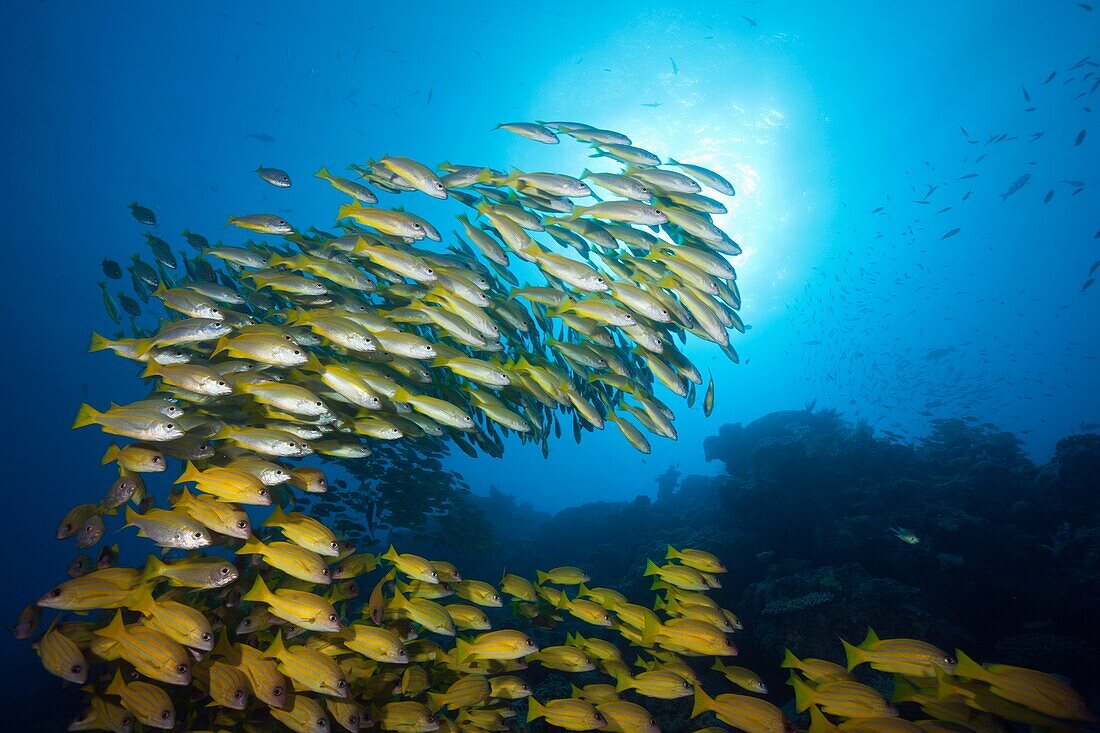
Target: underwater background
917, 277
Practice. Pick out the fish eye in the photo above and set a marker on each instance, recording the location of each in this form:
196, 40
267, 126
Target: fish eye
262, 492
599, 279
402, 653
238, 694
205, 636
332, 617
277, 691
281, 222
182, 669
127, 722
221, 384
198, 535
156, 459
429, 271
217, 324
416, 225
242, 525
353, 720
169, 426
225, 571
322, 723
297, 352
435, 575
318, 404
334, 545
165, 714
76, 668
55, 593
246, 622
341, 684
325, 572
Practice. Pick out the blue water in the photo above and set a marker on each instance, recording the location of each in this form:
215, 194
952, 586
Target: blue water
819, 113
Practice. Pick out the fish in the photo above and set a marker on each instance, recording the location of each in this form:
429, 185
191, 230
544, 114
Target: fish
905, 535
1080, 137
1016, 186
142, 214
261, 136
275, 176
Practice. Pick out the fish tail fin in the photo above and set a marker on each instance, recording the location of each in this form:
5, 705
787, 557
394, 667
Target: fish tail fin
790, 661
660, 604
803, 695
277, 647
672, 553
870, 640
153, 569
622, 681
672, 161
110, 455
854, 655
190, 474
230, 220
141, 599
346, 210
99, 343
967, 667
251, 546
117, 686
462, 650
222, 344
903, 689
258, 592
575, 692
130, 515
390, 554
278, 516
143, 347
323, 173
818, 720
718, 666
85, 416
436, 700
651, 568
703, 702
540, 577
534, 710
114, 630
650, 628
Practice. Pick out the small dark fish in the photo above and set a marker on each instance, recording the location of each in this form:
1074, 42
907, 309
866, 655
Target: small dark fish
1075, 184
951, 233
197, 241
652, 105
1049, 196
27, 623
1080, 137
112, 269
82, 565
261, 136
1016, 186
966, 195
142, 214
430, 90
964, 132
108, 556
1035, 136
675, 68
129, 304
968, 175
1088, 284
1027, 97
1095, 266
1050, 78
750, 21
875, 211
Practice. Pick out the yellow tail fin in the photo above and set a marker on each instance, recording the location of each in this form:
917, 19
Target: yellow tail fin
85, 416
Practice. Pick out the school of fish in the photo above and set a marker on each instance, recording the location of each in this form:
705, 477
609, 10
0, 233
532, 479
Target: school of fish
263, 619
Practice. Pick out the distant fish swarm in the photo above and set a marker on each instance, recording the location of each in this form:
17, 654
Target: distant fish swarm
332, 341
